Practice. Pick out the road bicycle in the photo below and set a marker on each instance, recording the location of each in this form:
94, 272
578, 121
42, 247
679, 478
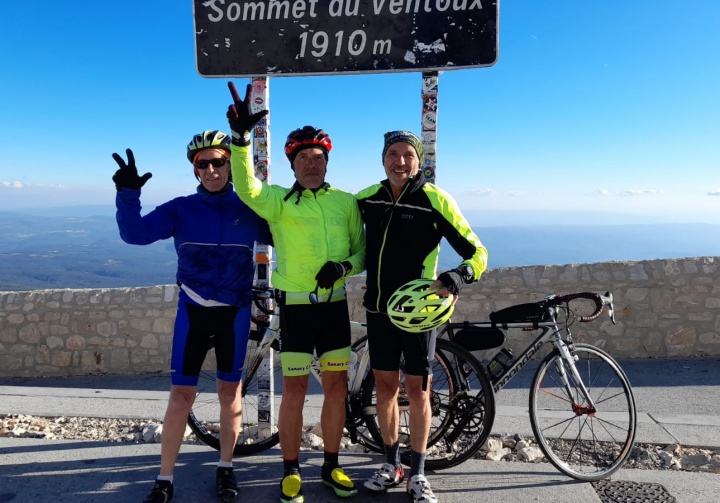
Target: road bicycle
582, 409
464, 406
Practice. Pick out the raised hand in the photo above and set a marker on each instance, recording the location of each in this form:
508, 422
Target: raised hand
239, 117
127, 176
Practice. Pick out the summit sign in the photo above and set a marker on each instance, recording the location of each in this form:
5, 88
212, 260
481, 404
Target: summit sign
316, 37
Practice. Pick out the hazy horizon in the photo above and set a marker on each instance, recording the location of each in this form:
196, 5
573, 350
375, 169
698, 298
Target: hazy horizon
64, 249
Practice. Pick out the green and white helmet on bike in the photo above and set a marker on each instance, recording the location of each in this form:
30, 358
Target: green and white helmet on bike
415, 308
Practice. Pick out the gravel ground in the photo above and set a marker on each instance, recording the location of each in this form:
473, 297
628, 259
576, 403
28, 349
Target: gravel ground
644, 456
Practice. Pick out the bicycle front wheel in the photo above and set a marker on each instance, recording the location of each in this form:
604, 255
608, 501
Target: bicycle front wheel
255, 435
584, 442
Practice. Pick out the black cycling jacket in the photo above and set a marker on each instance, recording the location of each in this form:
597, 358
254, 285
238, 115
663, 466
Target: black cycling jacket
403, 237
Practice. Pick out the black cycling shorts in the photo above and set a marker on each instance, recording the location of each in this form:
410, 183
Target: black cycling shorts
324, 328
388, 343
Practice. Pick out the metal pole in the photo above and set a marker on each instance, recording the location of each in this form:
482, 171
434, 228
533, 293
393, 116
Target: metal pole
429, 123
263, 253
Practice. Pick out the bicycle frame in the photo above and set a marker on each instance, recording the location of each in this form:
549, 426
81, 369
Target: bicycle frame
551, 333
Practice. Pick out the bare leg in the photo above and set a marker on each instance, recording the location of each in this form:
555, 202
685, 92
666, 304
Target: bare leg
179, 405
420, 412
387, 386
290, 420
332, 419
230, 395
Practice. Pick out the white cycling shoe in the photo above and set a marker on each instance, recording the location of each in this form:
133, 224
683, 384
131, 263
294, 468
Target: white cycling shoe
419, 488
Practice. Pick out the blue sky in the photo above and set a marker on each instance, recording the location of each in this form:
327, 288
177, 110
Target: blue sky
605, 111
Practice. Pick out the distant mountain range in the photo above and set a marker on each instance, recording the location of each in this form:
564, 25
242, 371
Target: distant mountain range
41, 251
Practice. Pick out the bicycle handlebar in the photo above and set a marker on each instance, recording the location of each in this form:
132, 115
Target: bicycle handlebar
600, 302
263, 294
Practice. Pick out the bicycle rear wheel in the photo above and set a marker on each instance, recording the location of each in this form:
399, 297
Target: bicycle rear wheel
356, 414
462, 404
442, 390
583, 443
255, 436
470, 412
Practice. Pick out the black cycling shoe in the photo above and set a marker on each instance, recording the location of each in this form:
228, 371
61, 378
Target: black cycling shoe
162, 492
227, 488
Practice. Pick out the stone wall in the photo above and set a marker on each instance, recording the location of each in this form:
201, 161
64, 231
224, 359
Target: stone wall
664, 308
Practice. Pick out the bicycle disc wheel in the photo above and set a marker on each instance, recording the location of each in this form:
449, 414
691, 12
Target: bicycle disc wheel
254, 436
583, 443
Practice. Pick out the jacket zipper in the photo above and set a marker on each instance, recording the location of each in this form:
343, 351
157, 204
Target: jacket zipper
382, 248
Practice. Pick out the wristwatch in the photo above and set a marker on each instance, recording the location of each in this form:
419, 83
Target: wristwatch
467, 273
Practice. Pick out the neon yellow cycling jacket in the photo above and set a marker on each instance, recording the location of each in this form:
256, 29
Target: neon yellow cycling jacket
309, 228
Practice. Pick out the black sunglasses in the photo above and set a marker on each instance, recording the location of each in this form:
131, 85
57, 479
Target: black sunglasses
216, 163
315, 298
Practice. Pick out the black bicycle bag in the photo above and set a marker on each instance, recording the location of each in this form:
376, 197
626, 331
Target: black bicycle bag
479, 338
532, 312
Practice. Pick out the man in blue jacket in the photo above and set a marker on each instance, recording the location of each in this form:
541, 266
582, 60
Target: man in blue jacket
214, 234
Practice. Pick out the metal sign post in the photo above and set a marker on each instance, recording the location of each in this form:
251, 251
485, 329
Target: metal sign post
429, 121
263, 253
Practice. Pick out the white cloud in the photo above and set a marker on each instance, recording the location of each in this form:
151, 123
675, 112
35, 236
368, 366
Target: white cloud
493, 192
714, 192
629, 192
640, 192
601, 193
12, 185
27, 186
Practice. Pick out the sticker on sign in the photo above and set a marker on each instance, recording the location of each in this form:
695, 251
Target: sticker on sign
316, 37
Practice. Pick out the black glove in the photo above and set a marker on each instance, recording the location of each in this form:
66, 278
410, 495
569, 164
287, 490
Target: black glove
127, 176
330, 273
239, 117
452, 280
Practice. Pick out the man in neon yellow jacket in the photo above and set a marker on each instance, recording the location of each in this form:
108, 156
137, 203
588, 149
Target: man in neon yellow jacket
319, 240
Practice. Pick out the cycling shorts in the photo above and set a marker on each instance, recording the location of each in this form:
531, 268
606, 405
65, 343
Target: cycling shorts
195, 326
324, 328
388, 343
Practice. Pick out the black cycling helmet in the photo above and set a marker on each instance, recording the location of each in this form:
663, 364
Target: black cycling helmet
307, 137
205, 140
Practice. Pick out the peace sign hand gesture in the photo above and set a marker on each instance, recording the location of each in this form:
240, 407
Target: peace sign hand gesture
127, 176
239, 117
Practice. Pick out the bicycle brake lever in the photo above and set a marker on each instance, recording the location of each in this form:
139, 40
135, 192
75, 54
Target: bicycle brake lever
611, 308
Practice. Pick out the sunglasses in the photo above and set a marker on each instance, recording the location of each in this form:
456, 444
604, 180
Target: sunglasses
216, 163
315, 298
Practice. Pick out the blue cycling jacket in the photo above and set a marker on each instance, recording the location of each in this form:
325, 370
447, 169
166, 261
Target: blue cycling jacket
214, 234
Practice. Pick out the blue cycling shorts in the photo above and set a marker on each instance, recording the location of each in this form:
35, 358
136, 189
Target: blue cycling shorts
196, 329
